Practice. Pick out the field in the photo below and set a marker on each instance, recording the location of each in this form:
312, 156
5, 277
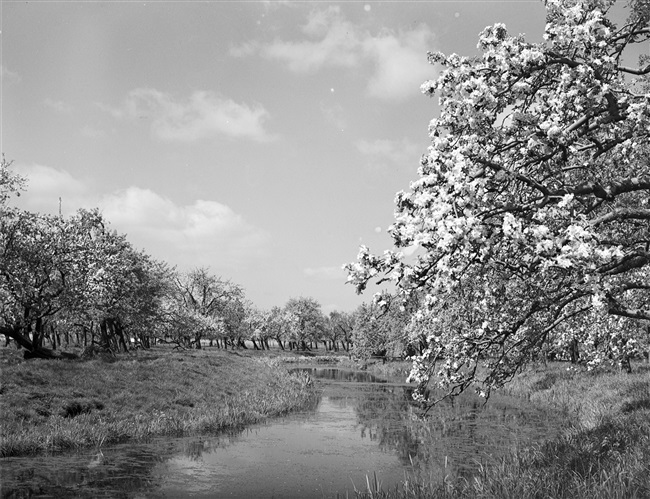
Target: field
48, 406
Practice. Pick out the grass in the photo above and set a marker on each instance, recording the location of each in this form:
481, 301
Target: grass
602, 452
49, 406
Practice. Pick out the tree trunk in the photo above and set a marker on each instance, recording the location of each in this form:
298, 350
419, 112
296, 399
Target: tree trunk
103, 338
119, 332
53, 338
625, 365
37, 336
574, 352
32, 350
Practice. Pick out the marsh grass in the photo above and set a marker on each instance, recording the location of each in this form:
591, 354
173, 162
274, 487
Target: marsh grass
603, 450
49, 406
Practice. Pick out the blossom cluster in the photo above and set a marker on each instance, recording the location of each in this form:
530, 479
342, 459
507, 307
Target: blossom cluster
531, 205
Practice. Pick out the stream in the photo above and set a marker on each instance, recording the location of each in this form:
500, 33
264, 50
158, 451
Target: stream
359, 426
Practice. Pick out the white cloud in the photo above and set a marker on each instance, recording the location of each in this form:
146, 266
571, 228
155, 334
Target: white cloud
335, 115
310, 56
8, 77
383, 153
205, 232
58, 105
320, 21
400, 63
244, 49
326, 273
46, 185
337, 44
271, 5
398, 60
203, 115
92, 132
202, 233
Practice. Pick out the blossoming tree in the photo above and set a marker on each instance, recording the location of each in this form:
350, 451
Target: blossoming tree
61, 273
531, 211
214, 306
305, 322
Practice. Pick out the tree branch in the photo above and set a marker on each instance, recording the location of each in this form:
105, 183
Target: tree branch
632, 313
608, 191
522, 178
634, 261
622, 214
632, 32
634, 71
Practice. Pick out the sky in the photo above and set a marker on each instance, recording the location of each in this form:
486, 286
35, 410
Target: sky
263, 140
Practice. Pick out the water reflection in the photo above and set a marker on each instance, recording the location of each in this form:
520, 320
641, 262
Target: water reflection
452, 439
360, 425
112, 472
344, 375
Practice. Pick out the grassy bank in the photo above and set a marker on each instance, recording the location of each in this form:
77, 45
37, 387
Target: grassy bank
48, 406
602, 452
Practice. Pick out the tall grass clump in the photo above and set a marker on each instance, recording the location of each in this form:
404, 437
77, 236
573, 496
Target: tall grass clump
49, 406
604, 449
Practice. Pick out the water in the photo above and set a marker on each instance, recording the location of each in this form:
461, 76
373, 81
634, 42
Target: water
359, 426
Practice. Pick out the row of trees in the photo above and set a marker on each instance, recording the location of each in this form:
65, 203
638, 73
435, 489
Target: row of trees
531, 213
73, 280
208, 310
